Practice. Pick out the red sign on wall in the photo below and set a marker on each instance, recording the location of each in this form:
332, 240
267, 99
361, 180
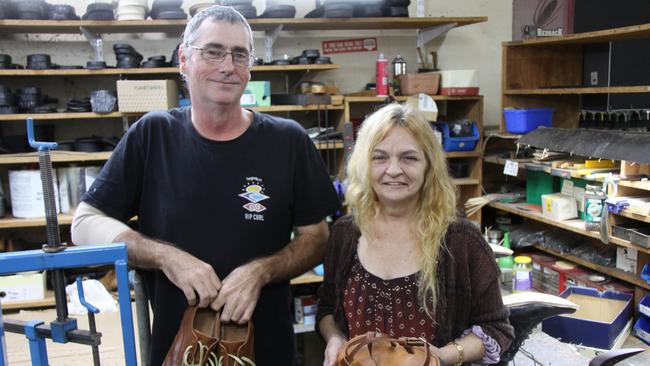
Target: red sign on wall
350, 45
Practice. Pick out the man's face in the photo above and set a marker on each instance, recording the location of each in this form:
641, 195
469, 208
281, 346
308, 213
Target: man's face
215, 82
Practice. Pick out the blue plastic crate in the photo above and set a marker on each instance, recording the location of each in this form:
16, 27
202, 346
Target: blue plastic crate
524, 120
458, 143
644, 306
642, 329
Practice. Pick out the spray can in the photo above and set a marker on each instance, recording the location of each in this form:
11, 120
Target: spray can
381, 76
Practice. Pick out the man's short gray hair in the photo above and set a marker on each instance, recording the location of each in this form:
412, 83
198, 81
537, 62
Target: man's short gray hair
215, 13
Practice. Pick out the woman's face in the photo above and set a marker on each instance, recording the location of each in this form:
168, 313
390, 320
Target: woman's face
398, 167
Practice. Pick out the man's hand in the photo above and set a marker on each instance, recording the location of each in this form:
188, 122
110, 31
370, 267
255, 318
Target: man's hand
334, 346
239, 293
195, 278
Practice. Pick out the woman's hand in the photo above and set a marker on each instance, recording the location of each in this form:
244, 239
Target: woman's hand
334, 345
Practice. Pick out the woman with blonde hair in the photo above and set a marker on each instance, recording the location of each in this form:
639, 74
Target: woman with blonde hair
403, 263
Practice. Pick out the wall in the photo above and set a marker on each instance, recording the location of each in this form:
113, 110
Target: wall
475, 46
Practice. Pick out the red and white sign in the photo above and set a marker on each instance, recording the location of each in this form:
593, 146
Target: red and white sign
350, 45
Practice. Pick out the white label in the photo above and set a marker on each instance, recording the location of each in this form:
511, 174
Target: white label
567, 187
248, 100
426, 103
594, 78
511, 168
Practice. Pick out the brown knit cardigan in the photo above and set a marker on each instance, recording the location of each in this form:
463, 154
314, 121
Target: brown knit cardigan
468, 278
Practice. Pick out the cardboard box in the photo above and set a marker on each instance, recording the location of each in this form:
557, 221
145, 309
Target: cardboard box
541, 18
459, 82
599, 321
257, 94
23, 286
426, 82
559, 206
146, 95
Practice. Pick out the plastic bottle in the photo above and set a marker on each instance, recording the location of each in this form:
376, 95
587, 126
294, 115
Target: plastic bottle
506, 262
381, 76
522, 279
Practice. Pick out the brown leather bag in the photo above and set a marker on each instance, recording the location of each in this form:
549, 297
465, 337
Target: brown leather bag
202, 340
372, 349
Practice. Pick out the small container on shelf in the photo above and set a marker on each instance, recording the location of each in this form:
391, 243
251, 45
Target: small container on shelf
458, 142
524, 120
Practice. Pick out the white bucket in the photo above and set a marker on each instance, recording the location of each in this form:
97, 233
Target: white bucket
73, 183
26, 192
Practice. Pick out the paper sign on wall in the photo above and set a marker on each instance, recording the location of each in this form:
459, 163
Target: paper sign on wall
350, 45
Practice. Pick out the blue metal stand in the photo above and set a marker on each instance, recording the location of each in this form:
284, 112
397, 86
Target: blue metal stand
92, 255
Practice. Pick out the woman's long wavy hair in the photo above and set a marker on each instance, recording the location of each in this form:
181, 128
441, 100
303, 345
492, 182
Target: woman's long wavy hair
437, 198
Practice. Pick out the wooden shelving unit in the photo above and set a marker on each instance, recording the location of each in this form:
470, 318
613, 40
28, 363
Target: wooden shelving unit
547, 72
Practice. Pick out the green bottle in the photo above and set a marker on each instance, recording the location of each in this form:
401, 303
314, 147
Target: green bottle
506, 262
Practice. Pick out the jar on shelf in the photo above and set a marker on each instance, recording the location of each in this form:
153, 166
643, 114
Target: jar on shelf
522, 274
594, 203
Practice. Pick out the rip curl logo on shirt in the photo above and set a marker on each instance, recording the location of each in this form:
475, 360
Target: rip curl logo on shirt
254, 193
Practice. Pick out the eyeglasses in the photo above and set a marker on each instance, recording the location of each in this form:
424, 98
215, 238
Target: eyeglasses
217, 55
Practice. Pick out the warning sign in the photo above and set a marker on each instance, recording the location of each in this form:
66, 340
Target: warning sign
350, 45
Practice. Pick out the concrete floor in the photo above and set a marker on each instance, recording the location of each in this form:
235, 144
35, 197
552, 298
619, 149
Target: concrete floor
538, 345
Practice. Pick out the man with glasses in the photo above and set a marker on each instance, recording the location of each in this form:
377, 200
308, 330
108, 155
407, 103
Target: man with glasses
217, 190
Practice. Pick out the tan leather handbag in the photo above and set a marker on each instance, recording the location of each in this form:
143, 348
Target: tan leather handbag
202, 340
373, 349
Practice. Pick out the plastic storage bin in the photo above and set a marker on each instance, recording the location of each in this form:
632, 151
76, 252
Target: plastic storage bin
527, 119
458, 143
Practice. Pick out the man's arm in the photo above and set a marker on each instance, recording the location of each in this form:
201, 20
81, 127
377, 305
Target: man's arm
195, 278
241, 289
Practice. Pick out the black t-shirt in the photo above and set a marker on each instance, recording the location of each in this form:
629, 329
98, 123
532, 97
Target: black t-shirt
223, 202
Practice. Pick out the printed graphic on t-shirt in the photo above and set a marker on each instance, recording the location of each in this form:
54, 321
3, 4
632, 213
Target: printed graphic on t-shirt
254, 192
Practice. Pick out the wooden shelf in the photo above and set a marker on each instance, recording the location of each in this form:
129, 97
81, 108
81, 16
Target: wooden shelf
630, 215
463, 154
608, 35
613, 272
47, 302
307, 278
80, 157
373, 99
176, 27
574, 225
466, 181
324, 145
55, 157
92, 115
64, 116
579, 91
295, 108
502, 161
156, 70
10, 222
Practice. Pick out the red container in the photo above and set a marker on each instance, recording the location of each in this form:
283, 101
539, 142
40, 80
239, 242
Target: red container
382, 76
